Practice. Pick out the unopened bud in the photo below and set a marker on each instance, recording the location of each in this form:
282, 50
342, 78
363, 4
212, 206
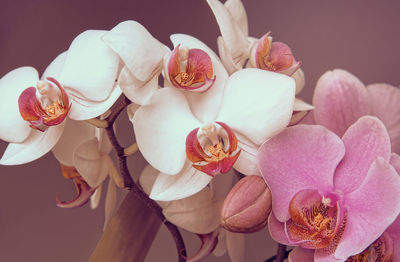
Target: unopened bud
247, 206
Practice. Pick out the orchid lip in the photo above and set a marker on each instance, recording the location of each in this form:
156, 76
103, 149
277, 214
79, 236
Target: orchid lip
44, 106
84, 191
212, 148
190, 69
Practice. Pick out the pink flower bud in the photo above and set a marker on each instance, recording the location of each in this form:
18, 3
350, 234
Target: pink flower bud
247, 206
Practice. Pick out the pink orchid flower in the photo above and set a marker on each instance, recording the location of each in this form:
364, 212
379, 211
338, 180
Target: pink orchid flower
385, 249
340, 99
336, 196
189, 150
191, 66
79, 82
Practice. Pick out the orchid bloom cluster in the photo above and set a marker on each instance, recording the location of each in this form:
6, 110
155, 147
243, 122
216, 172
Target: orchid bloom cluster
230, 147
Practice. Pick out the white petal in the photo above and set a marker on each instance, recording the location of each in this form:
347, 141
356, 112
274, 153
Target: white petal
131, 110
111, 202
11, 86
300, 79
234, 38
198, 213
33, 147
257, 103
75, 133
137, 91
82, 109
91, 165
139, 50
226, 58
146, 181
236, 9
188, 182
300, 105
56, 66
95, 198
235, 245
90, 68
161, 128
247, 161
205, 106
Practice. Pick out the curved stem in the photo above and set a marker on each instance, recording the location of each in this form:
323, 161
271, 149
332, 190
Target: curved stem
282, 254
131, 185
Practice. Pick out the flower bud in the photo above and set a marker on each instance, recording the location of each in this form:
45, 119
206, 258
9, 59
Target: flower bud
247, 206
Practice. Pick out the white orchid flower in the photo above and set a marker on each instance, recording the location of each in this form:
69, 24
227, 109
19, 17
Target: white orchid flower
191, 66
200, 214
79, 83
189, 150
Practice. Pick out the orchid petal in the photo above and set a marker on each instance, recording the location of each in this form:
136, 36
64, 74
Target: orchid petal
277, 230
205, 106
56, 66
257, 103
84, 192
83, 109
364, 141
11, 86
385, 105
135, 90
321, 255
208, 243
131, 110
90, 68
221, 248
299, 254
299, 78
237, 11
161, 128
395, 162
188, 182
140, 51
95, 198
146, 181
307, 160
33, 147
339, 99
234, 38
75, 133
111, 202
226, 58
300, 105
235, 245
370, 209
394, 231
198, 213
247, 160
91, 165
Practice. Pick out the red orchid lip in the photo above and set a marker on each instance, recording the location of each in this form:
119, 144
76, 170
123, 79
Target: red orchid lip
31, 109
190, 69
219, 157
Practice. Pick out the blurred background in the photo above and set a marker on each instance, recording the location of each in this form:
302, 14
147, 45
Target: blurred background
361, 36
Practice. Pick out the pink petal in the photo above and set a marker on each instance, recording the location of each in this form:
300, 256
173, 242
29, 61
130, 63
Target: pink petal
394, 232
364, 141
257, 103
90, 68
299, 254
339, 99
161, 128
186, 183
370, 209
208, 243
385, 105
277, 230
205, 106
395, 162
300, 157
11, 86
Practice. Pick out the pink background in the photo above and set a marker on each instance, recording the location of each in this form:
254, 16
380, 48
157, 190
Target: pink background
361, 36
